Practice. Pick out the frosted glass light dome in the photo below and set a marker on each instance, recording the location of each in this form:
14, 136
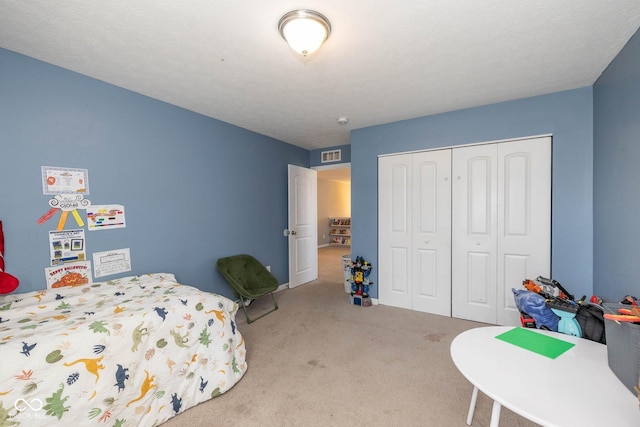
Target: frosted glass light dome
304, 30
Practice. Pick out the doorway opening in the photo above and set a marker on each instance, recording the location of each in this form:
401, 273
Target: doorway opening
334, 205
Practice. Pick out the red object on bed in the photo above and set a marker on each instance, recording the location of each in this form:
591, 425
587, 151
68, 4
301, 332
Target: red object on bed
8, 283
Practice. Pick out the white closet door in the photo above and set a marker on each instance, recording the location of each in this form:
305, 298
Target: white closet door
394, 230
474, 233
432, 232
459, 228
524, 219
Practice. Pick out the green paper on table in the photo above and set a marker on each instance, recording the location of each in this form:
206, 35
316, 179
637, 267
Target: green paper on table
538, 343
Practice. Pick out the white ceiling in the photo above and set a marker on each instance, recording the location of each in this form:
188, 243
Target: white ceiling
386, 60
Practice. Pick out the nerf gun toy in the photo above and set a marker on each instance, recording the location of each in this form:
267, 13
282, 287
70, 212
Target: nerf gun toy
554, 284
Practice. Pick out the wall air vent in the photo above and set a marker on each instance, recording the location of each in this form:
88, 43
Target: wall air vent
331, 156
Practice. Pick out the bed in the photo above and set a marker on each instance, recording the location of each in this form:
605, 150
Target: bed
134, 351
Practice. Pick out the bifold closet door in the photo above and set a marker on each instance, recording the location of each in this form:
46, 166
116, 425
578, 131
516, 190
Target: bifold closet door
459, 228
395, 218
474, 233
524, 219
501, 226
414, 208
432, 232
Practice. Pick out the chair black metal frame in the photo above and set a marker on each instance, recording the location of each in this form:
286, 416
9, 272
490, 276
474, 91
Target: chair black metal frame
249, 279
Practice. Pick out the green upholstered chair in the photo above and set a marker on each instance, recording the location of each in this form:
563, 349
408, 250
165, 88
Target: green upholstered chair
249, 279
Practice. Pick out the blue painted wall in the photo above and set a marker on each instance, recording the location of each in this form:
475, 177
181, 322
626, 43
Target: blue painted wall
568, 116
194, 189
617, 176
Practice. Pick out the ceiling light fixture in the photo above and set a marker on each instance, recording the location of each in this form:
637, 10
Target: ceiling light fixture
305, 30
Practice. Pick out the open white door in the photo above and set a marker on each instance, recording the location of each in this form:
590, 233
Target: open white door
302, 231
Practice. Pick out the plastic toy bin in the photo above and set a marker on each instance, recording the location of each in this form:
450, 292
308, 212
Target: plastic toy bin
346, 269
623, 348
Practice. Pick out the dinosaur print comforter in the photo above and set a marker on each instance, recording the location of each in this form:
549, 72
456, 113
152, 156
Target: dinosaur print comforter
134, 351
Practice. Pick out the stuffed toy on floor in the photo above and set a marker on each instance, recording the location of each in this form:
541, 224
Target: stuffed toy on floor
8, 283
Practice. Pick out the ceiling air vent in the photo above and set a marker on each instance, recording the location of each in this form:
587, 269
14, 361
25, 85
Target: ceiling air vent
331, 156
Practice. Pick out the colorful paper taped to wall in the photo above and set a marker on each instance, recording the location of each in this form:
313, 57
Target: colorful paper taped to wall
66, 203
76, 216
105, 217
46, 217
63, 220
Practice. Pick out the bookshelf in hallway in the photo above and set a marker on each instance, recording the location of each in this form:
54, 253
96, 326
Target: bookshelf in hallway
340, 230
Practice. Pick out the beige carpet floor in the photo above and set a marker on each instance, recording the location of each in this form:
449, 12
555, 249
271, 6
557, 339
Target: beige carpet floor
320, 361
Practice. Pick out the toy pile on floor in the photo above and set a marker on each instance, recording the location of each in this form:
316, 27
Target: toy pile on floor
546, 304
360, 270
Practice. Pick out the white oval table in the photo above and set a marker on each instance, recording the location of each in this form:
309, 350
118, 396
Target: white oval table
575, 389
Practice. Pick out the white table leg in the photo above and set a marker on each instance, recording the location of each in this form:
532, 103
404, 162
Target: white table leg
495, 414
472, 405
